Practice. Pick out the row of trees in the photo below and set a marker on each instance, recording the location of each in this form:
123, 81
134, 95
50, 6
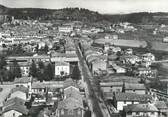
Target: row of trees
42, 72
39, 71
10, 74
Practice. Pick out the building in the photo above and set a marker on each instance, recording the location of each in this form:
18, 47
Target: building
123, 99
162, 107
65, 28
98, 65
70, 107
148, 57
14, 107
141, 110
20, 92
165, 40
134, 88
108, 86
24, 67
62, 68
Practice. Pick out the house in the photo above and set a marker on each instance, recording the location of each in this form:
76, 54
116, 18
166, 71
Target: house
24, 66
62, 68
130, 59
58, 57
98, 65
165, 40
118, 69
108, 86
134, 88
23, 81
14, 107
4, 94
70, 107
123, 99
146, 71
41, 87
141, 110
20, 92
65, 28
129, 51
162, 107
69, 83
72, 103
119, 78
148, 57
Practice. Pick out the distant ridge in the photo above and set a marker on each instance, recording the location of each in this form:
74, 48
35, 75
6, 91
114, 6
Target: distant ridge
3, 9
82, 14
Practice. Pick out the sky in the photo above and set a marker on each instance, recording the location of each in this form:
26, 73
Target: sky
102, 6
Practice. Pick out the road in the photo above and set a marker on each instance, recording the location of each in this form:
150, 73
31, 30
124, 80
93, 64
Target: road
97, 107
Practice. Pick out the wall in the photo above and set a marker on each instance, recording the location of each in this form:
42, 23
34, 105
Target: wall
120, 104
10, 114
59, 69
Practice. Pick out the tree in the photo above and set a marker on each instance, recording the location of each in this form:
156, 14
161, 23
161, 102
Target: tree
49, 72
2, 62
15, 69
33, 69
41, 65
46, 48
76, 73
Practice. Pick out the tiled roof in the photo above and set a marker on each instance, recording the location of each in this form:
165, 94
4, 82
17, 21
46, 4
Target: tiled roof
23, 80
20, 88
69, 82
136, 86
61, 64
16, 104
141, 108
104, 84
132, 97
120, 78
50, 84
70, 103
161, 105
5, 92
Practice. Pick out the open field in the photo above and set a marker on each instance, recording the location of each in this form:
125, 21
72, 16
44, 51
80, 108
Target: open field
123, 42
159, 46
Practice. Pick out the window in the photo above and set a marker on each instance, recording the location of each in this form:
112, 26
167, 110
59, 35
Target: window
132, 102
70, 112
79, 111
129, 113
152, 113
62, 112
13, 114
137, 113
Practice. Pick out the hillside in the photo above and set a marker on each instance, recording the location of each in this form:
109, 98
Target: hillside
82, 14
3, 9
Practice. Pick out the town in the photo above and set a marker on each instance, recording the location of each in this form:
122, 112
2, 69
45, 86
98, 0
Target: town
74, 69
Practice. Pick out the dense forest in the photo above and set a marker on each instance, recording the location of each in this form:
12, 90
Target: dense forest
82, 14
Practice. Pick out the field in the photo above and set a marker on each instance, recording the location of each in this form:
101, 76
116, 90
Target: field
159, 46
123, 42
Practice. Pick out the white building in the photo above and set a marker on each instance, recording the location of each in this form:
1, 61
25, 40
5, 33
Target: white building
65, 28
62, 68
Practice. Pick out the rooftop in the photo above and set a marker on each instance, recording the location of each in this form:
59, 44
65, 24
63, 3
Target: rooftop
141, 108
70, 103
136, 86
16, 104
5, 92
23, 80
132, 97
61, 64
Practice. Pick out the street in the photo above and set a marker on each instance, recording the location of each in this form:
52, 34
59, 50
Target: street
96, 106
